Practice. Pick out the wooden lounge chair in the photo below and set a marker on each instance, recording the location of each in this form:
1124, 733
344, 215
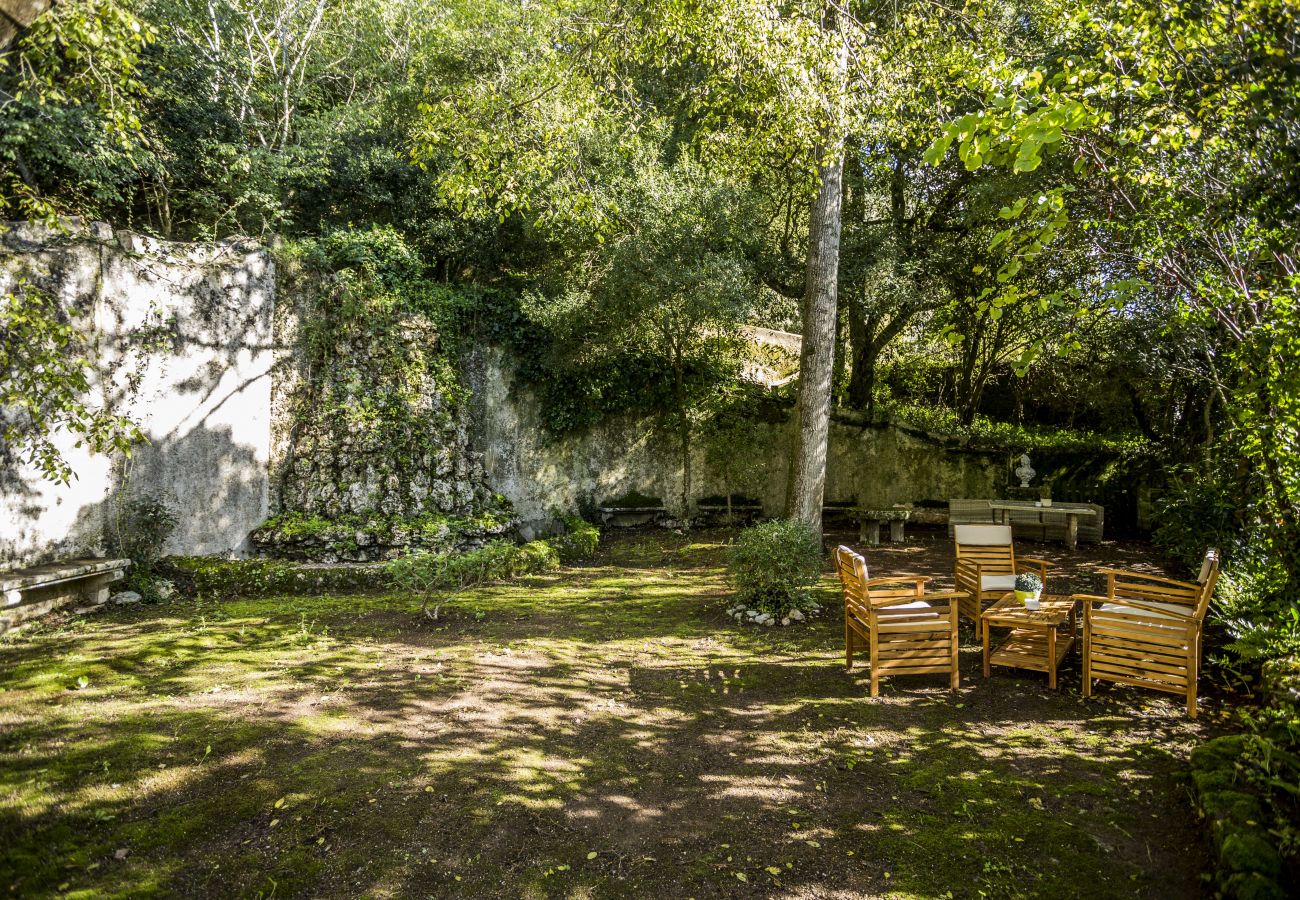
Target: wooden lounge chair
1146, 631
987, 566
906, 631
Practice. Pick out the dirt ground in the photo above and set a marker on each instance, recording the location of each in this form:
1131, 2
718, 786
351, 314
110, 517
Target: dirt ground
605, 731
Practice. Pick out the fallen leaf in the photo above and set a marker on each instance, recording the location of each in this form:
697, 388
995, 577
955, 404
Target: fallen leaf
592, 855
743, 877
121, 853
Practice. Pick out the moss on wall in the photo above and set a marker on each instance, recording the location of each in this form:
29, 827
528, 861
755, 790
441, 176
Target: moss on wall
372, 451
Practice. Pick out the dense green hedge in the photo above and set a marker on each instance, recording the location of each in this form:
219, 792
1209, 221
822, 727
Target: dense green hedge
421, 571
210, 576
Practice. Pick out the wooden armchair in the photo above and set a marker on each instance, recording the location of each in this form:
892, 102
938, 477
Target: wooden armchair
1146, 631
906, 631
986, 566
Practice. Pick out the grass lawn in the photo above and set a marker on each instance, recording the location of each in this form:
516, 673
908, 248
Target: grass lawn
606, 731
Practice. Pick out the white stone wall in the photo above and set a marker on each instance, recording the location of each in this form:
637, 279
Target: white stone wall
202, 396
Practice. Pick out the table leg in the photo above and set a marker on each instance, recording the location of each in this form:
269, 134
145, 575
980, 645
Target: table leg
1051, 656
984, 632
896, 531
1071, 530
869, 532
1074, 629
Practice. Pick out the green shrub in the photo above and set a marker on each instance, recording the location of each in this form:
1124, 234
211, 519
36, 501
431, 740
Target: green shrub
440, 576
774, 564
579, 541
138, 529
1197, 511
208, 576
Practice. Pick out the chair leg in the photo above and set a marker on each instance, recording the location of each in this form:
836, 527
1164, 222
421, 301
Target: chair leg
952, 642
874, 650
848, 644
1087, 656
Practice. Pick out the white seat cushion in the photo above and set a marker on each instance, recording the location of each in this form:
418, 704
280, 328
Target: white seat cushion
1171, 607
910, 608
997, 583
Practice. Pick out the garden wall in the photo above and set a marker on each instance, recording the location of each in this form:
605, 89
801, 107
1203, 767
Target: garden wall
871, 465
199, 315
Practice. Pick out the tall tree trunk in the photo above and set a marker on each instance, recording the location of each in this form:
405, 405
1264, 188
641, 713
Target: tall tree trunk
862, 383
683, 430
817, 351
859, 393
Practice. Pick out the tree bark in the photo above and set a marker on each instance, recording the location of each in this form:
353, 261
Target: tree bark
817, 351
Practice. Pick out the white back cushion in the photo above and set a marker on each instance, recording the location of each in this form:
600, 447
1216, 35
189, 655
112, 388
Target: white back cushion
983, 535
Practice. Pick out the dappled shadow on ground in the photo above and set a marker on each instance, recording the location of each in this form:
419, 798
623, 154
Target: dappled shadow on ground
605, 732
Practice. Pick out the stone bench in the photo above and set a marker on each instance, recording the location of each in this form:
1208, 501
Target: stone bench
631, 516
869, 521
36, 590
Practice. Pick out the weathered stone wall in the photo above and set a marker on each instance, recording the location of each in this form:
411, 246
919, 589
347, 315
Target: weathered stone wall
361, 436
869, 465
202, 395
371, 449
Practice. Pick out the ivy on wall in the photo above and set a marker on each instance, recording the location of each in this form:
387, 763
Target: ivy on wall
375, 412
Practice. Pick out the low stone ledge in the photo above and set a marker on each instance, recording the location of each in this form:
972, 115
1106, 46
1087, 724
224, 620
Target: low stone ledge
37, 590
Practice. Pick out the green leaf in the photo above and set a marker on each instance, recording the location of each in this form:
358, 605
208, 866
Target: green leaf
935, 153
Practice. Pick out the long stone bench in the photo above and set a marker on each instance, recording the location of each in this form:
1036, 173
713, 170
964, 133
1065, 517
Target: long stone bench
36, 590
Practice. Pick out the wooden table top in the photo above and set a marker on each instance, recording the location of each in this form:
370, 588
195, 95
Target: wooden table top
1030, 506
1053, 609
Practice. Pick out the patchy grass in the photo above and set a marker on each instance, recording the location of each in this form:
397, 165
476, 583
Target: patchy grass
605, 731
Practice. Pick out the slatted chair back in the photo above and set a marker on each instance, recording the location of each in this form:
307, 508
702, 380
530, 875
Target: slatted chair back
988, 545
1208, 578
1193, 595
848, 564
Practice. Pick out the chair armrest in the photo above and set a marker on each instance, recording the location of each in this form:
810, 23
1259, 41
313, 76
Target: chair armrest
1129, 573
897, 579
946, 596
1030, 563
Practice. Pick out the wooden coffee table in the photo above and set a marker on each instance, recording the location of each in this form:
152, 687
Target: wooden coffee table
1033, 642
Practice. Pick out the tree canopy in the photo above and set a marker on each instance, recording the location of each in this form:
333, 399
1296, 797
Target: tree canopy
1078, 212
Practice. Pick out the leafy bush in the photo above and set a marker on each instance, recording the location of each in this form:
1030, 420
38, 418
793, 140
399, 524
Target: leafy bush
1197, 511
774, 564
994, 435
138, 530
207, 576
433, 575
579, 541
1253, 601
